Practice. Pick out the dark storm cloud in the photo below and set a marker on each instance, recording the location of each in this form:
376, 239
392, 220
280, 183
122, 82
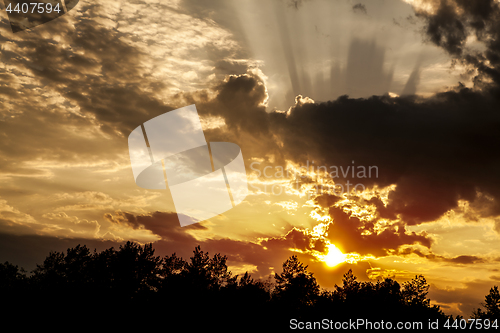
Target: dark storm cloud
453, 21
437, 150
445, 30
239, 101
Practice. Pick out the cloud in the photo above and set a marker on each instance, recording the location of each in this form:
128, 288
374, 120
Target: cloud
451, 24
181, 240
465, 298
352, 234
378, 273
296, 3
460, 260
266, 255
163, 224
437, 150
299, 239
430, 176
359, 8
73, 89
29, 250
74, 223
465, 260
438, 158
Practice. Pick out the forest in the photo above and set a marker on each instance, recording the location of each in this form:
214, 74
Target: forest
131, 286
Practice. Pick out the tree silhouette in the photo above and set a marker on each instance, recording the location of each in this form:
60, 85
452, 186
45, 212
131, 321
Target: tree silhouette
208, 273
251, 293
296, 290
10, 277
491, 305
350, 286
133, 283
415, 291
390, 291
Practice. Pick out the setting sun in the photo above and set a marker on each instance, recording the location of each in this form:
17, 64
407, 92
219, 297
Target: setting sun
334, 256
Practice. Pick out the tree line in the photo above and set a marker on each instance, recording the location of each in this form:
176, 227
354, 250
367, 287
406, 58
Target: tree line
134, 285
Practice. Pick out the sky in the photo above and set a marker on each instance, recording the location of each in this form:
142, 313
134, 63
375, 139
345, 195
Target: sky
399, 100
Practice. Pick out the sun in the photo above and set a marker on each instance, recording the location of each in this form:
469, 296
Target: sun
334, 256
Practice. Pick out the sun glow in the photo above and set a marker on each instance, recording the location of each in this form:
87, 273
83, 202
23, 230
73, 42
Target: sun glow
334, 256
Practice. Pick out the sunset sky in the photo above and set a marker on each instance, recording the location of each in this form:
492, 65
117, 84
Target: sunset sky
409, 88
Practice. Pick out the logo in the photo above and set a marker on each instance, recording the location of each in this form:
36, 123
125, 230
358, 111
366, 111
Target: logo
26, 14
205, 179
